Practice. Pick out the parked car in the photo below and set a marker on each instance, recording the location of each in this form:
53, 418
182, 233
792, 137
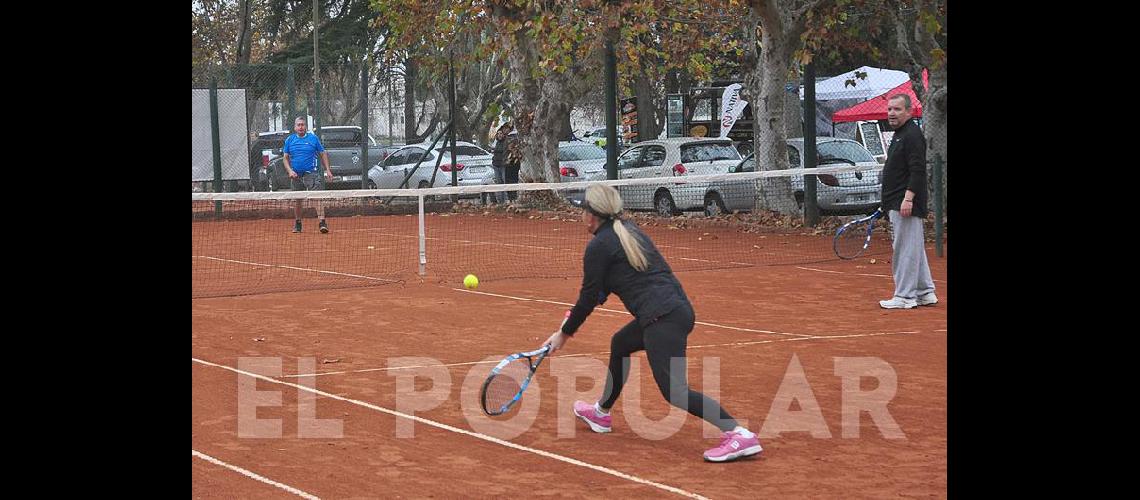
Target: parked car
472, 164
580, 160
663, 158
264, 150
597, 136
838, 194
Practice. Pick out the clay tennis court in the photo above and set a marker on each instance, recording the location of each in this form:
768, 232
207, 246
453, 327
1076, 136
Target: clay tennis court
355, 325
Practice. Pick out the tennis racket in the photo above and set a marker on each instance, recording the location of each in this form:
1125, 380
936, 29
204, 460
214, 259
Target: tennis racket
507, 381
854, 237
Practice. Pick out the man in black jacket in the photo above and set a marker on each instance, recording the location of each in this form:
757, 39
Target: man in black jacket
904, 199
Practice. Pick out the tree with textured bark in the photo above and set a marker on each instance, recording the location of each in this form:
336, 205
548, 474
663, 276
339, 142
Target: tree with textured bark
920, 35
780, 25
551, 52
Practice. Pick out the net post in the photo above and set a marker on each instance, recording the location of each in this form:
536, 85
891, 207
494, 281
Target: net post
422, 238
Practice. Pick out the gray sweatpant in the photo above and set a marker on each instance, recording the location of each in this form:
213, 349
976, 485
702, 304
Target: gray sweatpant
908, 265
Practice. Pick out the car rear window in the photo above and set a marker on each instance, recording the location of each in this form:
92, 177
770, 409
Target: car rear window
464, 151
582, 152
708, 151
846, 150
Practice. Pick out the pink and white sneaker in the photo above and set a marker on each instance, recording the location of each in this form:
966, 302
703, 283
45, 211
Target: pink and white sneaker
733, 446
598, 423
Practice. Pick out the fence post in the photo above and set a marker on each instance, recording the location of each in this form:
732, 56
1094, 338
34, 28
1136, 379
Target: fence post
938, 204
216, 134
811, 204
364, 143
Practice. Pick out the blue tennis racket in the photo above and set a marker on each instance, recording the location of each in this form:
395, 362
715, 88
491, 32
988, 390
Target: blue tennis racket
507, 381
854, 237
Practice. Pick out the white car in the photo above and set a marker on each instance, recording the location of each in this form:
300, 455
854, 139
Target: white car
840, 194
580, 160
846, 193
665, 158
473, 166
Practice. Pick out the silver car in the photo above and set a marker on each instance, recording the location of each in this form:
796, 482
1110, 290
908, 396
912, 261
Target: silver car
579, 161
846, 193
473, 166
664, 158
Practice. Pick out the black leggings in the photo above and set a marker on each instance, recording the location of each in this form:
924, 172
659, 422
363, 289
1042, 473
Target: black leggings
663, 340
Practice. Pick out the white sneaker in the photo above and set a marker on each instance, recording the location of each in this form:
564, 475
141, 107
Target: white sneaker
898, 303
928, 299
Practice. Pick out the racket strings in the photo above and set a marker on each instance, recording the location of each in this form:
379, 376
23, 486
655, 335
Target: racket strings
503, 387
850, 242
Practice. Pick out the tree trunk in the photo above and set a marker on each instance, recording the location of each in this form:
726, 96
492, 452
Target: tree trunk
565, 131
935, 126
245, 35
648, 113
768, 133
793, 114
538, 109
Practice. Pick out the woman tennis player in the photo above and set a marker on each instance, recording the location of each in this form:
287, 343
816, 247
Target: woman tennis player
621, 259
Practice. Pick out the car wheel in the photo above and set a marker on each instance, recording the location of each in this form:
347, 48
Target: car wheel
714, 205
664, 204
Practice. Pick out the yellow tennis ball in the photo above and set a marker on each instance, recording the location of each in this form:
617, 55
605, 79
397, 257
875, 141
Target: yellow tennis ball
471, 281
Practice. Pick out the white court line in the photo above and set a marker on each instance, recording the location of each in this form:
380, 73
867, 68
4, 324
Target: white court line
452, 240
702, 323
543, 453
468, 363
820, 270
244, 472
297, 268
697, 260
468, 242
822, 337
855, 274
394, 368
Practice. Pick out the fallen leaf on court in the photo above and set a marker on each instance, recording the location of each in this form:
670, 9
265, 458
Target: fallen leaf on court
332, 360
259, 339
873, 261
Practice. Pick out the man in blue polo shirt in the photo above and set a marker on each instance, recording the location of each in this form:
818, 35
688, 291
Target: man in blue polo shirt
300, 158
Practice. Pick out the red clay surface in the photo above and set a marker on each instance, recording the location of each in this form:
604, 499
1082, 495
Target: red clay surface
361, 330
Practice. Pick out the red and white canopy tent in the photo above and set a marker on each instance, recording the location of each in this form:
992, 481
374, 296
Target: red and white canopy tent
875, 108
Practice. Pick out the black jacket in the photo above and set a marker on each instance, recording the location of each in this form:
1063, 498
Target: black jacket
647, 295
905, 169
499, 153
